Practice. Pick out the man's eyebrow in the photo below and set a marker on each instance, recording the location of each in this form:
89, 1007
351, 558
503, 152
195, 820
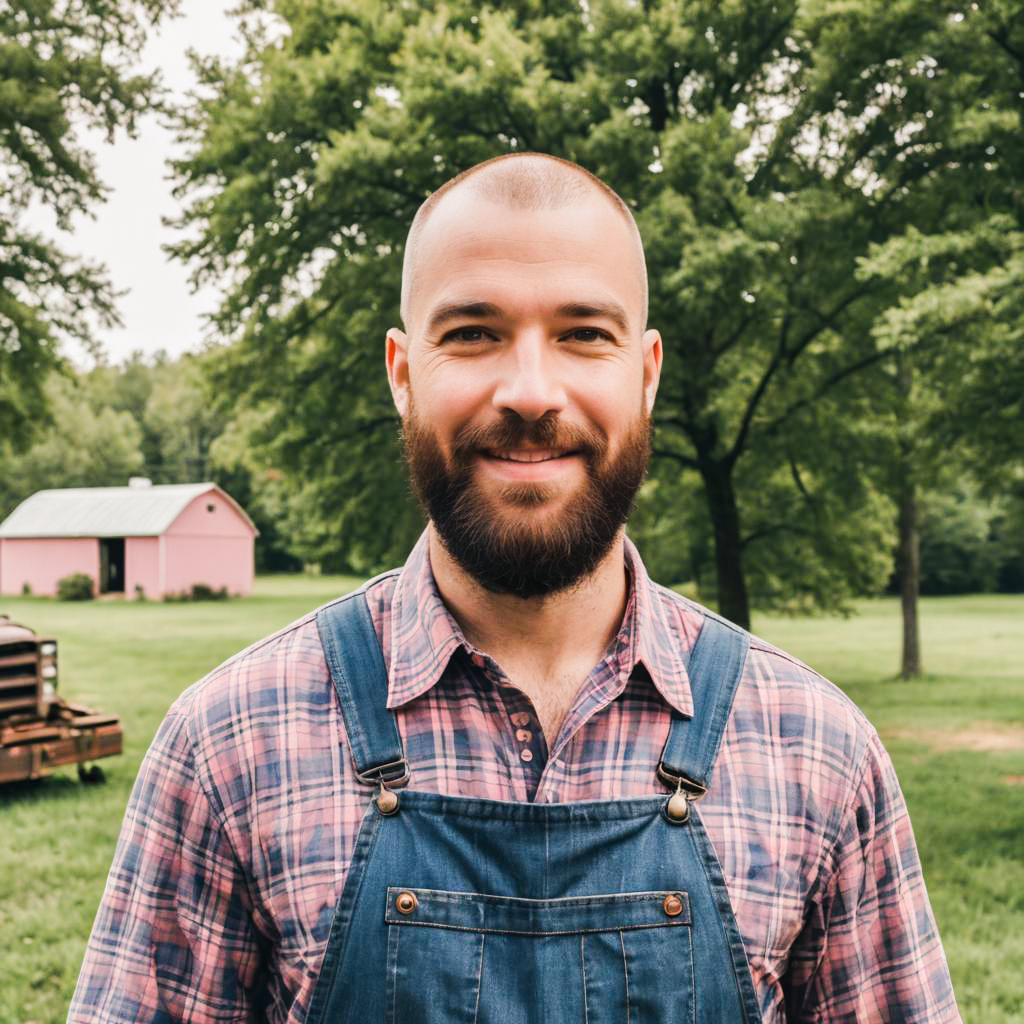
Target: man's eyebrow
588, 310
462, 311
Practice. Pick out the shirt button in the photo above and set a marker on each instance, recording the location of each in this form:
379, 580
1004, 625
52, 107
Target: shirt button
523, 735
520, 718
526, 755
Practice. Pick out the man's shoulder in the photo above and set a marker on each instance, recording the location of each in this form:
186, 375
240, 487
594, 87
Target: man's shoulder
278, 679
783, 697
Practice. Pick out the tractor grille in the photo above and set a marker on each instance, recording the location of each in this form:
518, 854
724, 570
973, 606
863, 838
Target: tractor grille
19, 678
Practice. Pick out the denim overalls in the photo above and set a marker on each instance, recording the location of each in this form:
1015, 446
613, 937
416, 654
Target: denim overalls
465, 910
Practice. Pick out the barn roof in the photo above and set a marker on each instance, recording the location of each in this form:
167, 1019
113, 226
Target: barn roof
106, 511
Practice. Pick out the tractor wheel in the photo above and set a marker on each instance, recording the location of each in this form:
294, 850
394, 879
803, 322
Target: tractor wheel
93, 775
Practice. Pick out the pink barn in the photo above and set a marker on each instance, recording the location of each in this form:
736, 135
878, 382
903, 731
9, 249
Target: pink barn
153, 540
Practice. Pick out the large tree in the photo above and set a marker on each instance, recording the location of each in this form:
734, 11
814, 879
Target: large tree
65, 68
762, 145
954, 314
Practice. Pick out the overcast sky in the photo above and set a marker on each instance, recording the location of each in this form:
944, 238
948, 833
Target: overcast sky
159, 311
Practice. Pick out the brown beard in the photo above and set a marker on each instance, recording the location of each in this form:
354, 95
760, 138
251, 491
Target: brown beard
506, 553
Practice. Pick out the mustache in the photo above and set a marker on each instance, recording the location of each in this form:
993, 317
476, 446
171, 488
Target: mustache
513, 431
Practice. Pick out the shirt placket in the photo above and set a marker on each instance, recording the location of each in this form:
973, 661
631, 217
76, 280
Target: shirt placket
520, 731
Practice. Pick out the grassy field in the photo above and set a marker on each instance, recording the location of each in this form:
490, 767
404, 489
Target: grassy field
957, 739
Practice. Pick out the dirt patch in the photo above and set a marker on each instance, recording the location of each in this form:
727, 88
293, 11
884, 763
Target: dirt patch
1013, 780
984, 737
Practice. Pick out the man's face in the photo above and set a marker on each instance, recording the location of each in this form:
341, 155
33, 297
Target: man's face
525, 385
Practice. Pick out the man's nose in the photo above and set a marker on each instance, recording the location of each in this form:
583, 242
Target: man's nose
530, 384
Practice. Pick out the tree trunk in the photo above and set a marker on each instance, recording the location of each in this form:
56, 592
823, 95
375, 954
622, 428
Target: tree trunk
909, 570
733, 601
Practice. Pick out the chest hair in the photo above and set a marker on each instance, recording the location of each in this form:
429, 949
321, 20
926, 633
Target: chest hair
551, 699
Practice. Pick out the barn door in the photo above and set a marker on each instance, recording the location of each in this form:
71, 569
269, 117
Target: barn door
112, 565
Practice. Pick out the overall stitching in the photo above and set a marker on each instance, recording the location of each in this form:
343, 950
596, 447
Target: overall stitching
393, 941
625, 973
583, 967
479, 978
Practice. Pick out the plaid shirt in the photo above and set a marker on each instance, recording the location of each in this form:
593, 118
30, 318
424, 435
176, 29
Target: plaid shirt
239, 831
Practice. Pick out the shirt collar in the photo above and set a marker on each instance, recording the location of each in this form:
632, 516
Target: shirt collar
424, 635
661, 641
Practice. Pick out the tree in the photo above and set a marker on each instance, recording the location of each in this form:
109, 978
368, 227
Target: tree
955, 310
64, 68
761, 145
81, 447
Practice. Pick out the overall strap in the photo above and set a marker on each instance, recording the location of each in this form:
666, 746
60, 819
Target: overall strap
715, 665
361, 680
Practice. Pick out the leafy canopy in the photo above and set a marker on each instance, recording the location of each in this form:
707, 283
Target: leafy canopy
766, 147
65, 69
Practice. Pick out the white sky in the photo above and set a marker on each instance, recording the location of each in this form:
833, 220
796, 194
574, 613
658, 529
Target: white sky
160, 310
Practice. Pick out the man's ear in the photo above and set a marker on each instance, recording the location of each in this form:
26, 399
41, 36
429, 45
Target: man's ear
397, 358
652, 355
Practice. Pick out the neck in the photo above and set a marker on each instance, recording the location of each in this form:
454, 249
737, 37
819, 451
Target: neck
552, 633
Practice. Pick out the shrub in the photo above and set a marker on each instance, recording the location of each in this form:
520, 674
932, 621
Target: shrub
199, 592
76, 587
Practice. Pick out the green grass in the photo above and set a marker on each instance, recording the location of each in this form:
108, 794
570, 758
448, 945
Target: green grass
967, 806
57, 836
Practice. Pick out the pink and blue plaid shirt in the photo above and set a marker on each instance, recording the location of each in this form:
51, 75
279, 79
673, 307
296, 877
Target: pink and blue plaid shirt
239, 831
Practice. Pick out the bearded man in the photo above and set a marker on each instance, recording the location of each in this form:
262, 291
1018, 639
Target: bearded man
516, 781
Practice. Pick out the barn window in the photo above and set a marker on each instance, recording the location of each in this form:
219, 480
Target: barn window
211, 508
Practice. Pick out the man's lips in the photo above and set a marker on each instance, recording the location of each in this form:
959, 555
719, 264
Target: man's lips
528, 455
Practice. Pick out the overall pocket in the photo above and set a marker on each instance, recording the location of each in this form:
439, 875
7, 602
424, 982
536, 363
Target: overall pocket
469, 958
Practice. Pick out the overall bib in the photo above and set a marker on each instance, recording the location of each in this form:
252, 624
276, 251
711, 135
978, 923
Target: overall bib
466, 911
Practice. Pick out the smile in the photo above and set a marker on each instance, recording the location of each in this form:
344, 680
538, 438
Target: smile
529, 455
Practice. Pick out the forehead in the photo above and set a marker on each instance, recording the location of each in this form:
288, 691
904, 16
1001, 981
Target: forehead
474, 249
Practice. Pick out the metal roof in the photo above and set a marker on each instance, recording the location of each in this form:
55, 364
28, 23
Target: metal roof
145, 511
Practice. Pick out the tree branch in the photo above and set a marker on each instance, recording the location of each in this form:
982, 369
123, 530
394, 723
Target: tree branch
789, 356
682, 460
826, 386
719, 350
768, 531
1001, 38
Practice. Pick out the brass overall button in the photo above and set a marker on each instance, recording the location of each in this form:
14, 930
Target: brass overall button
672, 905
406, 903
386, 801
678, 808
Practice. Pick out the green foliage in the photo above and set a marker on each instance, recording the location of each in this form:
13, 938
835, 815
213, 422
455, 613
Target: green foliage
960, 553
198, 592
76, 587
157, 418
956, 285
64, 69
762, 147
85, 445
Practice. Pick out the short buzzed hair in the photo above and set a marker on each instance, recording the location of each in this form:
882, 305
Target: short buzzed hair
524, 181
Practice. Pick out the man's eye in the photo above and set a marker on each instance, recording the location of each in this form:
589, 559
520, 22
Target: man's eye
467, 334
586, 334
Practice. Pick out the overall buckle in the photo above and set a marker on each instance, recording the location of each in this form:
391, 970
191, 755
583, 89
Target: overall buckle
677, 807
392, 775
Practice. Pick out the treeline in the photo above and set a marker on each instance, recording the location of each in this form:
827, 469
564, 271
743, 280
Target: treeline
155, 417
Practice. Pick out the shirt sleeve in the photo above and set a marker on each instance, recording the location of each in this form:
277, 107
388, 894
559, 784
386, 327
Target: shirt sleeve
173, 939
870, 950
